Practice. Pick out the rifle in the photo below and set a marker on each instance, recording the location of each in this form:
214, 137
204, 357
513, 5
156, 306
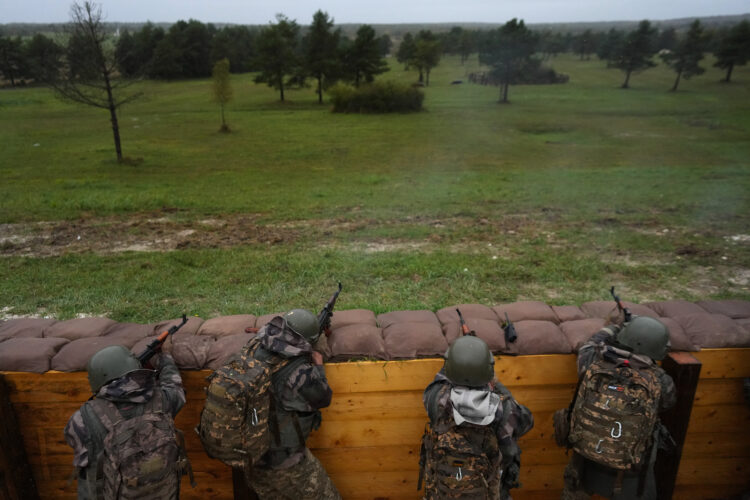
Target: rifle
510, 330
624, 310
464, 327
154, 346
324, 317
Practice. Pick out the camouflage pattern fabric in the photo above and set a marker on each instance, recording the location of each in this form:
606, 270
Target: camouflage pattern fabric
488, 456
234, 424
582, 476
129, 391
141, 458
299, 389
615, 412
306, 480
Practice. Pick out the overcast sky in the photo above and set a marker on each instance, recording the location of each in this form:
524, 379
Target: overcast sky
376, 11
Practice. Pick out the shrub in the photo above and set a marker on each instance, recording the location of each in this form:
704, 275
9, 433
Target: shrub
377, 97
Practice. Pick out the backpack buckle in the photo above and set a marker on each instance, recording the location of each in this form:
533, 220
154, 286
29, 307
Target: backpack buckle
254, 418
598, 448
459, 474
618, 433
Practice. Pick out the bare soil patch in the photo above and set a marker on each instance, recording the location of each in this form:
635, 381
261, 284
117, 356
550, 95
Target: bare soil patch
149, 232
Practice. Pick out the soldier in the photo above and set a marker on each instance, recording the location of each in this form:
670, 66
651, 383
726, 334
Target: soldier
131, 414
470, 447
288, 470
613, 426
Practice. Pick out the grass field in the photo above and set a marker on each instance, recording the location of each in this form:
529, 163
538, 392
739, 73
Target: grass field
568, 190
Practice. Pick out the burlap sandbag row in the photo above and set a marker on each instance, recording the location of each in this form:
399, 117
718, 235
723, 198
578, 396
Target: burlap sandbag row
735, 309
29, 354
24, 328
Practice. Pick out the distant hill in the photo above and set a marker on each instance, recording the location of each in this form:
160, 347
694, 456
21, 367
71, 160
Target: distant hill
399, 30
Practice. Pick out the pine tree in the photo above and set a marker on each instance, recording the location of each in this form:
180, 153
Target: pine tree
687, 53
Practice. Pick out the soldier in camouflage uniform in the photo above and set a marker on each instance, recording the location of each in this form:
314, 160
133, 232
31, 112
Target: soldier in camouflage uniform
116, 375
642, 338
288, 470
474, 426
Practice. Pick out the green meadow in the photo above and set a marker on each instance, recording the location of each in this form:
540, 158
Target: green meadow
566, 191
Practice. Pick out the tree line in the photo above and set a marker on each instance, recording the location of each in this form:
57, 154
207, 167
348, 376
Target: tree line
90, 66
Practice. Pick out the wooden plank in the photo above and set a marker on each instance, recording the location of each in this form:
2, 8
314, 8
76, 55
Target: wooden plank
717, 444
685, 371
710, 491
710, 470
720, 391
724, 363
732, 419
415, 375
215, 485
16, 477
353, 406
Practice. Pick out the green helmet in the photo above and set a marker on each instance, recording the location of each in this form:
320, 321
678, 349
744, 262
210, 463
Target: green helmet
644, 335
303, 323
468, 361
110, 363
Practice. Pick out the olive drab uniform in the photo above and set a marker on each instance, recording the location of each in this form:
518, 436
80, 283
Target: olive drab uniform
462, 459
124, 440
614, 422
299, 389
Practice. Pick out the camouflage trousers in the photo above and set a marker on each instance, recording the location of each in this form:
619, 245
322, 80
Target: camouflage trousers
307, 480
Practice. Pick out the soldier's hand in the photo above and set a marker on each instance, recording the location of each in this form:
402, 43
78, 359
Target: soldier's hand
317, 358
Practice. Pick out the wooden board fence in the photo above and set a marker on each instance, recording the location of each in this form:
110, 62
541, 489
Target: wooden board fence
369, 440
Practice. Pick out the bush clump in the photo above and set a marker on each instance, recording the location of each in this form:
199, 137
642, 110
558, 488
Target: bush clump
377, 97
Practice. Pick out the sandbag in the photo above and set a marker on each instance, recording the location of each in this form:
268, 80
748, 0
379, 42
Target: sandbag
357, 341
189, 328
132, 331
28, 354
227, 325
488, 330
607, 310
351, 317
527, 309
735, 309
678, 339
75, 354
674, 308
568, 313
579, 331
24, 328
539, 337
476, 311
79, 328
414, 340
422, 316
714, 330
225, 347
192, 352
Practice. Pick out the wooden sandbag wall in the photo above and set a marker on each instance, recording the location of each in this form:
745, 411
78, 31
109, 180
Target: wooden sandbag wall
369, 440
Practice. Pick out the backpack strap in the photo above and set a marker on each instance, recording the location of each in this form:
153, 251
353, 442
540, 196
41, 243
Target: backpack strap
99, 416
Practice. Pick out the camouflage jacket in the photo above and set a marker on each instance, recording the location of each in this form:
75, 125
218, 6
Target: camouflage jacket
513, 421
135, 388
300, 389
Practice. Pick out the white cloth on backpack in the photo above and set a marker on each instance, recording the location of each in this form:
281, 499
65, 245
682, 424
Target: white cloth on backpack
475, 406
